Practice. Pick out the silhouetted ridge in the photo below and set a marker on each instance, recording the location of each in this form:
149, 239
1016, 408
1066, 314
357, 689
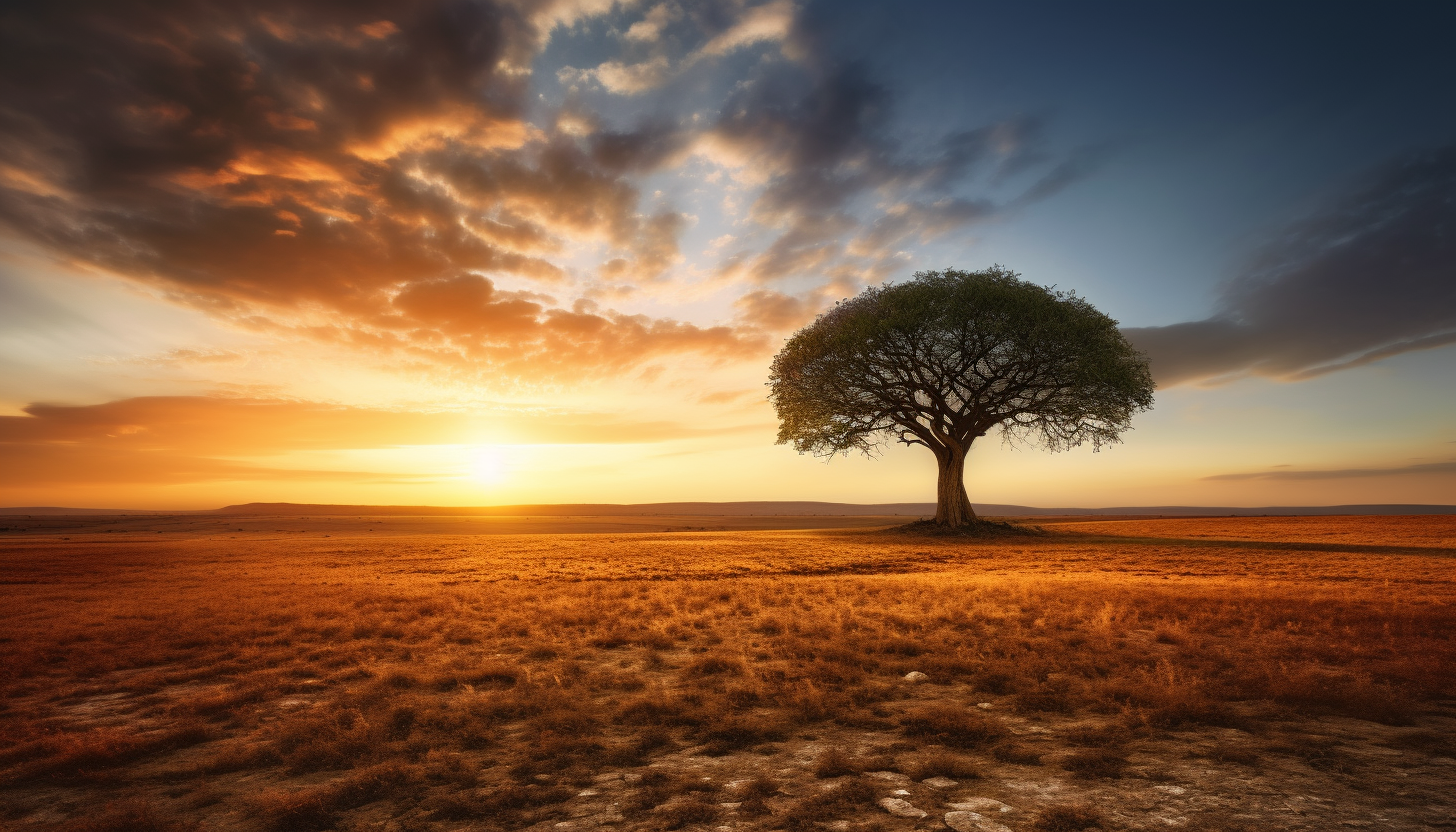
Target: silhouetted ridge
800, 508
740, 509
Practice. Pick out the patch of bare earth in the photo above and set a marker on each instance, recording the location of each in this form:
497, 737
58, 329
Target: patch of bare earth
447, 684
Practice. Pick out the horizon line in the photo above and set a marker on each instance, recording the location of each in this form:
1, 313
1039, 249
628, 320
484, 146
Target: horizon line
739, 507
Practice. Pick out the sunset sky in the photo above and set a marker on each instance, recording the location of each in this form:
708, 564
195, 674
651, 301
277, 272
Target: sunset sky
473, 253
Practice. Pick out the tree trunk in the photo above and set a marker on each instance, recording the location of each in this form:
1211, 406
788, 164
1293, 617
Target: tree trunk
952, 506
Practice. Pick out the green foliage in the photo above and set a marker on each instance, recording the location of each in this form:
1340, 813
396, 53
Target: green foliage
944, 358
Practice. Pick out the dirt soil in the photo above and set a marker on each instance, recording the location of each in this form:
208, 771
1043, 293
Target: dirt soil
1202, 674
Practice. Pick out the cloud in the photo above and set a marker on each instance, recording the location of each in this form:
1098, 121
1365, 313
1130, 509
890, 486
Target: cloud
1421, 469
777, 311
646, 148
839, 192
330, 170
732, 396
769, 22
35, 466
1371, 275
464, 322
199, 439
620, 78
375, 175
921, 220
178, 357
650, 27
468, 304
729, 26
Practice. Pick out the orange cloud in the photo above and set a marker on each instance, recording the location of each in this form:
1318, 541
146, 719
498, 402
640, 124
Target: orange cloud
776, 311
181, 439
335, 171
369, 174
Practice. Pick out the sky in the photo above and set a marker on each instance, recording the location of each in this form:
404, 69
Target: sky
456, 252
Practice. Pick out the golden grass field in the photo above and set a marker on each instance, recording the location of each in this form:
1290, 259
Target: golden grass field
1207, 674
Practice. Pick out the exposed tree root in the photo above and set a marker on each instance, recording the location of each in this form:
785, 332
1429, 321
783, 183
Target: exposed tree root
978, 529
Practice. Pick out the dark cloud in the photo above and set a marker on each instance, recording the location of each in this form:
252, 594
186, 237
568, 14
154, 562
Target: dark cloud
257, 159
1078, 165
1421, 469
644, 148
820, 132
834, 191
1370, 276
824, 144
368, 174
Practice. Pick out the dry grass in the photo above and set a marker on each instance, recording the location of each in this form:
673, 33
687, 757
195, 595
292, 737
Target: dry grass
1072, 818
418, 683
1428, 531
955, 727
938, 763
841, 799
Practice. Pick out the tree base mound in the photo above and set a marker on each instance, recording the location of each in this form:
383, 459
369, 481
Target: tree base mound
981, 529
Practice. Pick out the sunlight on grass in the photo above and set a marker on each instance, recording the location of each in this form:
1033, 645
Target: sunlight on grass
695, 680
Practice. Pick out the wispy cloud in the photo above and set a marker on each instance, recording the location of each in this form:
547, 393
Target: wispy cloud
1421, 469
727, 27
1370, 276
201, 439
370, 176
839, 196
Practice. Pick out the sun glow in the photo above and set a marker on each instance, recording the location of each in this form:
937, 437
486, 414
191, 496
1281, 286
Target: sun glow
488, 465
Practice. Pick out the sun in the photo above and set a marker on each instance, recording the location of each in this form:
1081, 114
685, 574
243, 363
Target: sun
488, 465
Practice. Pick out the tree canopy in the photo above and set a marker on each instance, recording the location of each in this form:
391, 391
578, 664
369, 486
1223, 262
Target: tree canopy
942, 359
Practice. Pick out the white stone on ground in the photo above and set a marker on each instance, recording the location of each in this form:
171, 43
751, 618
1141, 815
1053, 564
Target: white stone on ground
972, 822
939, 782
916, 676
980, 804
892, 776
901, 808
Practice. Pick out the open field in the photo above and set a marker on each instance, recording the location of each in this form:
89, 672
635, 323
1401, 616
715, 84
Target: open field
265, 527
1214, 674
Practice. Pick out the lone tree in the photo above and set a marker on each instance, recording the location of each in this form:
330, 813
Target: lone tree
948, 356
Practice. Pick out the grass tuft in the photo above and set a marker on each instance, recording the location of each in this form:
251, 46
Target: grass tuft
834, 802
1095, 763
835, 763
940, 764
952, 726
1068, 818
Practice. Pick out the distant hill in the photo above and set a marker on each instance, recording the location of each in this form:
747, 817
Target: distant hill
11, 511
739, 509
800, 508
